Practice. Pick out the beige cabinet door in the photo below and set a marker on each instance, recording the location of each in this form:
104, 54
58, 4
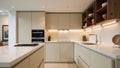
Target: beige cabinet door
51, 21
75, 21
63, 21
36, 58
52, 52
100, 61
24, 27
42, 65
66, 52
38, 20
23, 64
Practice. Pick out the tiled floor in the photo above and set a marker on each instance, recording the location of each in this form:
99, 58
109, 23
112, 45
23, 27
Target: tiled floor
60, 65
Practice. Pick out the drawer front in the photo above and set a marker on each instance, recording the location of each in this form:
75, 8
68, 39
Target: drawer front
99, 61
81, 63
84, 50
84, 53
85, 58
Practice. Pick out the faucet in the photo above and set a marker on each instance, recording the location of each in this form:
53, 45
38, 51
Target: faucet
96, 39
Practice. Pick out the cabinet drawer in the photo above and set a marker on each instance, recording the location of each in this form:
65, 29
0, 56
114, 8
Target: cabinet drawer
99, 61
84, 50
84, 53
85, 58
81, 63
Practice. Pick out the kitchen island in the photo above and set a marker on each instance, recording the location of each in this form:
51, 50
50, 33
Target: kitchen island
13, 57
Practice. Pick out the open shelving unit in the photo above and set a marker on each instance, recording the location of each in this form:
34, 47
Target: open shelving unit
100, 10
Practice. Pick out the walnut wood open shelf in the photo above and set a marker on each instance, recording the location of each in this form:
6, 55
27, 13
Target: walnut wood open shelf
101, 12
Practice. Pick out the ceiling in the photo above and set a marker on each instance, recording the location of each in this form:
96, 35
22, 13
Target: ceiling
45, 5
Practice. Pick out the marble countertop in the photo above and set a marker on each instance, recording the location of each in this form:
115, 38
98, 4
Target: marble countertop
106, 50
10, 55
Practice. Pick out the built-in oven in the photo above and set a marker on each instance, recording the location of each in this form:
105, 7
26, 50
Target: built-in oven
37, 35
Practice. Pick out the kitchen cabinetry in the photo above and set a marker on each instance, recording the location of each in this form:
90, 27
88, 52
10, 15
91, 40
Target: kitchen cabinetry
100, 61
75, 21
38, 20
86, 58
81, 56
63, 20
52, 53
26, 21
100, 11
23, 64
58, 52
35, 60
52, 21
24, 27
66, 56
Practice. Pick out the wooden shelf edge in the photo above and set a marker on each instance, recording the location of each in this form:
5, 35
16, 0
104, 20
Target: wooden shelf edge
101, 9
88, 17
103, 22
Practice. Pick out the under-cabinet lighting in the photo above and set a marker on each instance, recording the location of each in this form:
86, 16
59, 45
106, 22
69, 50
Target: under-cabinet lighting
110, 22
79, 30
88, 29
63, 30
52, 30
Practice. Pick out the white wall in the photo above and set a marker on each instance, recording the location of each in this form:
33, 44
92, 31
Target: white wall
106, 33
12, 27
3, 21
69, 35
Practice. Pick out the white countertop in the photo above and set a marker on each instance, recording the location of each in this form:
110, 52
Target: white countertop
10, 55
106, 50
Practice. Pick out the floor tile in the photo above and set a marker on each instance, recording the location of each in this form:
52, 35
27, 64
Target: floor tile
60, 65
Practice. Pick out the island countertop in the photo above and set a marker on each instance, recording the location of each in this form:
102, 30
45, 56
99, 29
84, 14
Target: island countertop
10, 55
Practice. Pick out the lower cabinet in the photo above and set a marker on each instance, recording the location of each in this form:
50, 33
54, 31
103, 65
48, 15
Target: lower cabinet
81, 56
35, 60
87, 58
100, 61
23, 64
59, 52
52, 52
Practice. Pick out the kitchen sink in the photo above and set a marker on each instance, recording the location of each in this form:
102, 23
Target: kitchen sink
26, 45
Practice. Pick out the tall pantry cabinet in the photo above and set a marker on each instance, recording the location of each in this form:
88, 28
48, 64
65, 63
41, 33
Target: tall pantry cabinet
26, 21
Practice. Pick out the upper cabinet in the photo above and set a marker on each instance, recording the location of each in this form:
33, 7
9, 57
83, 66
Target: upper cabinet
38, 20
101, 10
26, 21
75, 21
63, 20
51, 21
23, 27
